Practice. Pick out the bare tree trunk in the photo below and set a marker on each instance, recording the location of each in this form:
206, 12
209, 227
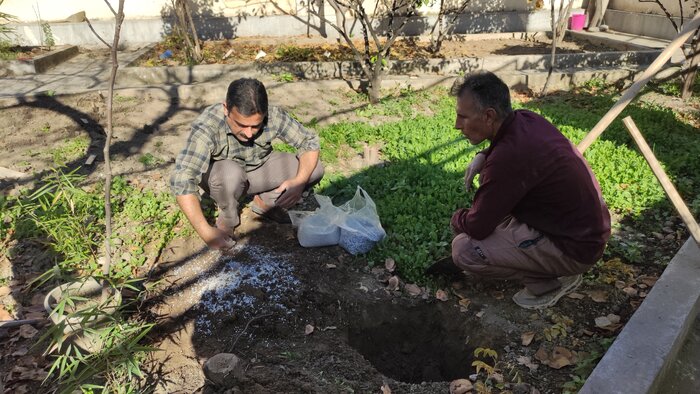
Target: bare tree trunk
119, 18
436, 43
558, 32
689, 76
186, 27
553, 57
375, 86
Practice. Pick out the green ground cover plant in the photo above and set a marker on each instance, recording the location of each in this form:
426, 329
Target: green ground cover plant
420, 184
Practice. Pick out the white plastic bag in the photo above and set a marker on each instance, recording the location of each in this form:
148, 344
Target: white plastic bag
318, 228
361, 229
355, 225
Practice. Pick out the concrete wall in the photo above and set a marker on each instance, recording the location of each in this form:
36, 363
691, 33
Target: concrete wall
650, 7
52, 10
137, 31
649, 25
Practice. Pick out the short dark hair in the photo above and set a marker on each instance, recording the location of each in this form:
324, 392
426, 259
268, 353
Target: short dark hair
488, 91
248, 96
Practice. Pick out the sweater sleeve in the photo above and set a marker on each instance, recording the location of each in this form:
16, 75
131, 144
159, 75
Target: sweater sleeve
503, 183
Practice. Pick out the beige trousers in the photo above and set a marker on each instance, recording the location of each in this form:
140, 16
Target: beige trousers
226, 181
515, 251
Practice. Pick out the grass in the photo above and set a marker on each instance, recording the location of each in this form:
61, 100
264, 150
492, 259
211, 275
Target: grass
69, 150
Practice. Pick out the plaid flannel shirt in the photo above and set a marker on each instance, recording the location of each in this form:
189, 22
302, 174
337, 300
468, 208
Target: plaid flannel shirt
211, 140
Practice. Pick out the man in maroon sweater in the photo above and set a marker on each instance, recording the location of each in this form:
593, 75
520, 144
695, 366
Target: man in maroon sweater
538, 215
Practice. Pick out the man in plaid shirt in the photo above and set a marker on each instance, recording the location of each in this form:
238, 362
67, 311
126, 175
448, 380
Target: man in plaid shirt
229, 154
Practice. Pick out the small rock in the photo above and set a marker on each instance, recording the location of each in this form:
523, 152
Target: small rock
224, 369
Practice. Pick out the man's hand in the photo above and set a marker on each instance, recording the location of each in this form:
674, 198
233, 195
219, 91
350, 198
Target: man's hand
472, 169
216, 238
291, 191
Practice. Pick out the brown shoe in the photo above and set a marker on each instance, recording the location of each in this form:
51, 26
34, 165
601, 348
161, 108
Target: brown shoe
276, 214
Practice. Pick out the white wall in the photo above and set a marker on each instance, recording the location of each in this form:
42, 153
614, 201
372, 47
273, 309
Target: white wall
57, 10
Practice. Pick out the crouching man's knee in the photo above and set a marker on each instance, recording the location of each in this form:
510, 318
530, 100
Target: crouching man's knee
464, 254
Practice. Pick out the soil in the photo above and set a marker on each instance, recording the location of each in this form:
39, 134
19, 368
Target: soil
245, 50
314, 320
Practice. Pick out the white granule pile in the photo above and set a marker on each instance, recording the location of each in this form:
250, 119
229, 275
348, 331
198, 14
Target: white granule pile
220, 292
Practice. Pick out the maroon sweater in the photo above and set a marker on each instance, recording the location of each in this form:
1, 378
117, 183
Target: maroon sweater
535, 174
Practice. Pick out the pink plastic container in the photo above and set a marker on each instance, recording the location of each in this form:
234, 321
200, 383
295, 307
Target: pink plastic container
577, 21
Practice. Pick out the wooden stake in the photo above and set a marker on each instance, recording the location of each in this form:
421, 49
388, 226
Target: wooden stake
688, 30
660, 174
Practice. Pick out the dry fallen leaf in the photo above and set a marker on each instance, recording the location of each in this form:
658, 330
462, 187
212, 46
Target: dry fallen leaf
413, 289
542, 355
614, 319
497, 377
308, 329
497, 294
602, 322
648, 280
620, 284
526, 361
576, 296
460, 386
390, 264
27, 331
561, 357
527, 338
393, 283
598, 295
630, 291
465, 302
480, 313
441, 295
642, 294
386, 389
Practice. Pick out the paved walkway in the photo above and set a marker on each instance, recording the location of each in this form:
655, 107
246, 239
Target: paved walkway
84, 72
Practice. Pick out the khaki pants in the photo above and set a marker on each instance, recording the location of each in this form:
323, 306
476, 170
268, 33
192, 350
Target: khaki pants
515, 251
226, 181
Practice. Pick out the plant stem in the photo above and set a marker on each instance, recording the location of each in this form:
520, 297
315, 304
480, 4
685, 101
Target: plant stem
119, 18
